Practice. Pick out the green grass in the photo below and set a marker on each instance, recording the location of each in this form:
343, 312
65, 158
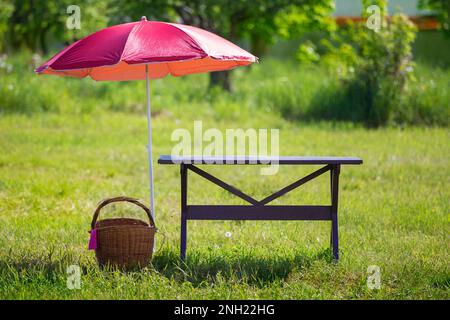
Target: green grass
54, 168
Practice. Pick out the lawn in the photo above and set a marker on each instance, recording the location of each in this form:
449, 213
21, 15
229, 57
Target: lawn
394, 211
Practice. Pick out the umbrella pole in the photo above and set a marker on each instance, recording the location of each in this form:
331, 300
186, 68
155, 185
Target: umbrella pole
149, 146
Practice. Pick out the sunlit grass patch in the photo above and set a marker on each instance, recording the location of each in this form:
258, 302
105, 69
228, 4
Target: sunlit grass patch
393, 212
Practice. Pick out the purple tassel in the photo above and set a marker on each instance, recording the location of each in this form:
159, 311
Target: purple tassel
93, 240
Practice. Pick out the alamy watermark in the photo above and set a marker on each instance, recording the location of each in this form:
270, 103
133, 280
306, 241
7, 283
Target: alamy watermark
374, 20
73, 281
74, 20
373, 277
237, 145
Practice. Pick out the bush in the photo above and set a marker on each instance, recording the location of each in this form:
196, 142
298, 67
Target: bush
374, 67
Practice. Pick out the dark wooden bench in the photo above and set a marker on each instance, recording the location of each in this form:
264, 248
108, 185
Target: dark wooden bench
259, 209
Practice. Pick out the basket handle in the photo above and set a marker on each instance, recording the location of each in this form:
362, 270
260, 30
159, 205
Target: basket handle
121, 199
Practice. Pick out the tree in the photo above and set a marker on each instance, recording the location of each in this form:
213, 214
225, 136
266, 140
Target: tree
36, 24
5, 13
256, 20
127, 11
32, 24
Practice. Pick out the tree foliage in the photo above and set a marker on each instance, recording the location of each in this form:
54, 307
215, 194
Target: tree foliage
36, 24
5, 12
257, 21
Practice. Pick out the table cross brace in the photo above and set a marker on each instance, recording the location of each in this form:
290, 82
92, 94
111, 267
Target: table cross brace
250, 199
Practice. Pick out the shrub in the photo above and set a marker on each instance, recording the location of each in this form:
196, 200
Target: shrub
426, 99
374, 67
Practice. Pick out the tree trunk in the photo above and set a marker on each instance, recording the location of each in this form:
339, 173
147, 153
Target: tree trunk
43, 41
221, 79
259, 46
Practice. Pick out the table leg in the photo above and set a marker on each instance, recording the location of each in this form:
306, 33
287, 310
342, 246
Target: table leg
331, 200
183, 172
334, 211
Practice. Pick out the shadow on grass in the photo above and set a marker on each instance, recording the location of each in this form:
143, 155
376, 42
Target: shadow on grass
337, 102
202, 268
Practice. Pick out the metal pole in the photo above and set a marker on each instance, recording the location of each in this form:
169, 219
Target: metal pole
149, 146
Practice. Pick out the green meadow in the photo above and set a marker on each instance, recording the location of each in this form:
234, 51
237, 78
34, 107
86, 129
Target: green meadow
56, 166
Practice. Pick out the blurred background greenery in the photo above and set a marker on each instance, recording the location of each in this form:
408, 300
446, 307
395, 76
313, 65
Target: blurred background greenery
319, 60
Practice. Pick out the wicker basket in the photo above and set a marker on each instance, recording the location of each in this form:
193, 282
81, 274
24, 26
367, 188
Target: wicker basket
122, 242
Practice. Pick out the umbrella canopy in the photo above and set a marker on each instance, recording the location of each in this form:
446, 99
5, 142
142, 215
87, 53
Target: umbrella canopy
121, 52
146, 50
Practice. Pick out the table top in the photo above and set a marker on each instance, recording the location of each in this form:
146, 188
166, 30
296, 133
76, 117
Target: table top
236, 160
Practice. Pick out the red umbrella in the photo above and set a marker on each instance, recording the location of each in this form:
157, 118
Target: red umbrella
144, 50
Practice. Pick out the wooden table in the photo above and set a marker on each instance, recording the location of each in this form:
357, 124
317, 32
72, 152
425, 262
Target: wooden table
258, 209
